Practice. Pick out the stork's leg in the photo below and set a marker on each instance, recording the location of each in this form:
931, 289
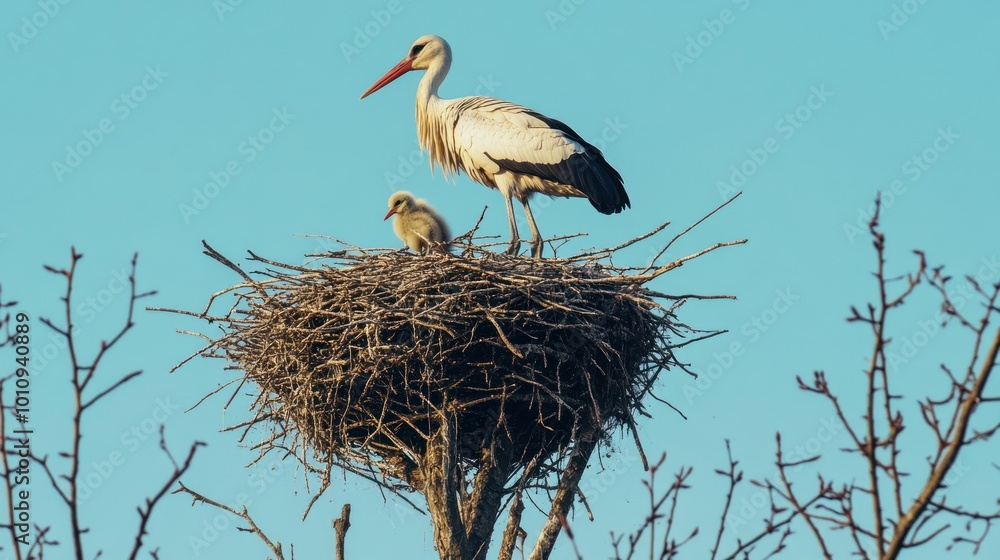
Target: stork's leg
515, 238
536, 238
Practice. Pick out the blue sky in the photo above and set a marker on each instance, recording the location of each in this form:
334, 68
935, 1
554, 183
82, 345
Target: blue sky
151, 126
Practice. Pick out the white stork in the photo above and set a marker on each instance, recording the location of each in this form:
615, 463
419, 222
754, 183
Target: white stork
502, 145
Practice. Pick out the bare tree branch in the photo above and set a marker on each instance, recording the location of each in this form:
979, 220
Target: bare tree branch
274, 546
179, 470
340, 527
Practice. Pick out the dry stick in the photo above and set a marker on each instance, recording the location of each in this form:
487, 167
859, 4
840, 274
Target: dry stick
82, 375
563, 499
349, 246
179, 471
638, 443
870, 448
878, 367
245, 515
672, 265
689, 228
957, 387
628, 243
734, 479
214, 392
895, 422
324, 485
210, 251
340, 527
744, 548
489, 315
586, 504
653, 517
968, 407
106, 345
470, 235
39, 543
654, 508
671, 546
782, 465
78, 410
513, 529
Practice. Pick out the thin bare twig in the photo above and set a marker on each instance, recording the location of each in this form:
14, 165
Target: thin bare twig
243, 514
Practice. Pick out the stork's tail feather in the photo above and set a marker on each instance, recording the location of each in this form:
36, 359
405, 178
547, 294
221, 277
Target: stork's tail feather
601, 183
587, 171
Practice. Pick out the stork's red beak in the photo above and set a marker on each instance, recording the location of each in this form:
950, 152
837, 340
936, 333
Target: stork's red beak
389, 213
398, 70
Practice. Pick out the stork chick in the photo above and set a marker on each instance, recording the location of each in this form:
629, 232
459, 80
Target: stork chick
416, 223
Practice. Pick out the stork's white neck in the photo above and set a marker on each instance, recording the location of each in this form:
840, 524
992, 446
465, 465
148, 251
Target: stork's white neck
432, 79
434, 136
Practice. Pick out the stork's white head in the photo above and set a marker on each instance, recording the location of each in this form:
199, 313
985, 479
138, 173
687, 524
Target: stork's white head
424, 53
426, 50
400, 202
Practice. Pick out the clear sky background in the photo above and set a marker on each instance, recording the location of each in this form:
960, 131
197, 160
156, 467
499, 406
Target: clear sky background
843, 97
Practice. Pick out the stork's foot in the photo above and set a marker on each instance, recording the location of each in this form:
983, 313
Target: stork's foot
536, 248
514, 248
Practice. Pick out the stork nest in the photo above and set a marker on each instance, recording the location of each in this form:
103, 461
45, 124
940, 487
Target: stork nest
356, 355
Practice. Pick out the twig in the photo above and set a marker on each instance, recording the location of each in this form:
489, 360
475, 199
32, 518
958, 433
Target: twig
179, 470
196, 497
